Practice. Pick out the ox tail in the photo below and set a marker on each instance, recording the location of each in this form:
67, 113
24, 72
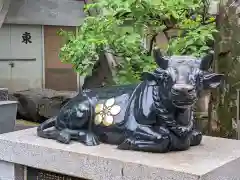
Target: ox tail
49, 134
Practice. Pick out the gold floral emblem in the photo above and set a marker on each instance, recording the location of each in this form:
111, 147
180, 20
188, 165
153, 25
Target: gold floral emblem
105, 112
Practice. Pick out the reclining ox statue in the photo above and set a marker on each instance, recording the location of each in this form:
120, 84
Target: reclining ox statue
155, 115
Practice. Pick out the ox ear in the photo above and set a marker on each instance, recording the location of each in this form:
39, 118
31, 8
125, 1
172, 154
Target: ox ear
212, 80
207, 61
161, 62
150, 78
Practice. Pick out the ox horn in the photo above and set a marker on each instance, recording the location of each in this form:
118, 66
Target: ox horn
161, 62
207, 61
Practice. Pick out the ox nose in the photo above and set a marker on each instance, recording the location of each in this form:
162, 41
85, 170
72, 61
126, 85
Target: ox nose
183, 88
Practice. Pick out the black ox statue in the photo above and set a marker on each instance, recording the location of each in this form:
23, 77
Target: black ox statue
155, 115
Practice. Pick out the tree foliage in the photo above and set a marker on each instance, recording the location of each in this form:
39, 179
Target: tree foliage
119, 27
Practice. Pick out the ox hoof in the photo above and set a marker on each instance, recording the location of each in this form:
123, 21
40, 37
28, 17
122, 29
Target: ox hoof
91, 139
64, 137
126, 144
196, 138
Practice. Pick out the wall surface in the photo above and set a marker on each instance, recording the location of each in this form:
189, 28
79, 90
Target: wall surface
58, 76
26, 59
45, 12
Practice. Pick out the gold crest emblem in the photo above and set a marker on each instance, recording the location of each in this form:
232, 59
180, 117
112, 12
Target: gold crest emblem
105, 112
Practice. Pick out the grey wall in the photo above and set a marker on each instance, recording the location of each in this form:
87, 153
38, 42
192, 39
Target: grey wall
45, 12
27, 71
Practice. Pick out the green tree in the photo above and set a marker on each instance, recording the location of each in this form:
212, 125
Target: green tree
120, 26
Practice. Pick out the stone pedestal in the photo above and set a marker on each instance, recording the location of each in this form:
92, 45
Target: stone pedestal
214, 159
8, 112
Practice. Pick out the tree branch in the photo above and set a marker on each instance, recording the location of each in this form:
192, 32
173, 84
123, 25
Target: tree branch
166, 34
188, 30
151, 44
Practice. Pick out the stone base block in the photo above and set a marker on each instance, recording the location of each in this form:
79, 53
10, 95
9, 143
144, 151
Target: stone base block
8, 112
214, 159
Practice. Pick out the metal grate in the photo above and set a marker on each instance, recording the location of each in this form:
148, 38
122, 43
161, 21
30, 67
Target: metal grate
38, 174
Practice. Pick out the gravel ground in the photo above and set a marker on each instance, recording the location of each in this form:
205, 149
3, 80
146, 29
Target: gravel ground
22, 124
21, 127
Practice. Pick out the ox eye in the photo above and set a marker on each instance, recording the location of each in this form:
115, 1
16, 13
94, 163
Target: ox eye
166, 79
166, 76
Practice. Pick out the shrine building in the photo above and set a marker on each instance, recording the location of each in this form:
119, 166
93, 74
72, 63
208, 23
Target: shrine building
29, 44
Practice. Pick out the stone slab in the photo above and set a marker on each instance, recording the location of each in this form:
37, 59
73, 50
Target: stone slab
8, 111
215, 158
3, 93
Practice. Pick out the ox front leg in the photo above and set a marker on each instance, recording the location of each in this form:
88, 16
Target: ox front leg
181, 143
147, 138
86, 137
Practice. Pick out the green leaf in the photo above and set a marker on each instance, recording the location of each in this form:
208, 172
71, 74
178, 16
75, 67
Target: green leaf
119, 28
